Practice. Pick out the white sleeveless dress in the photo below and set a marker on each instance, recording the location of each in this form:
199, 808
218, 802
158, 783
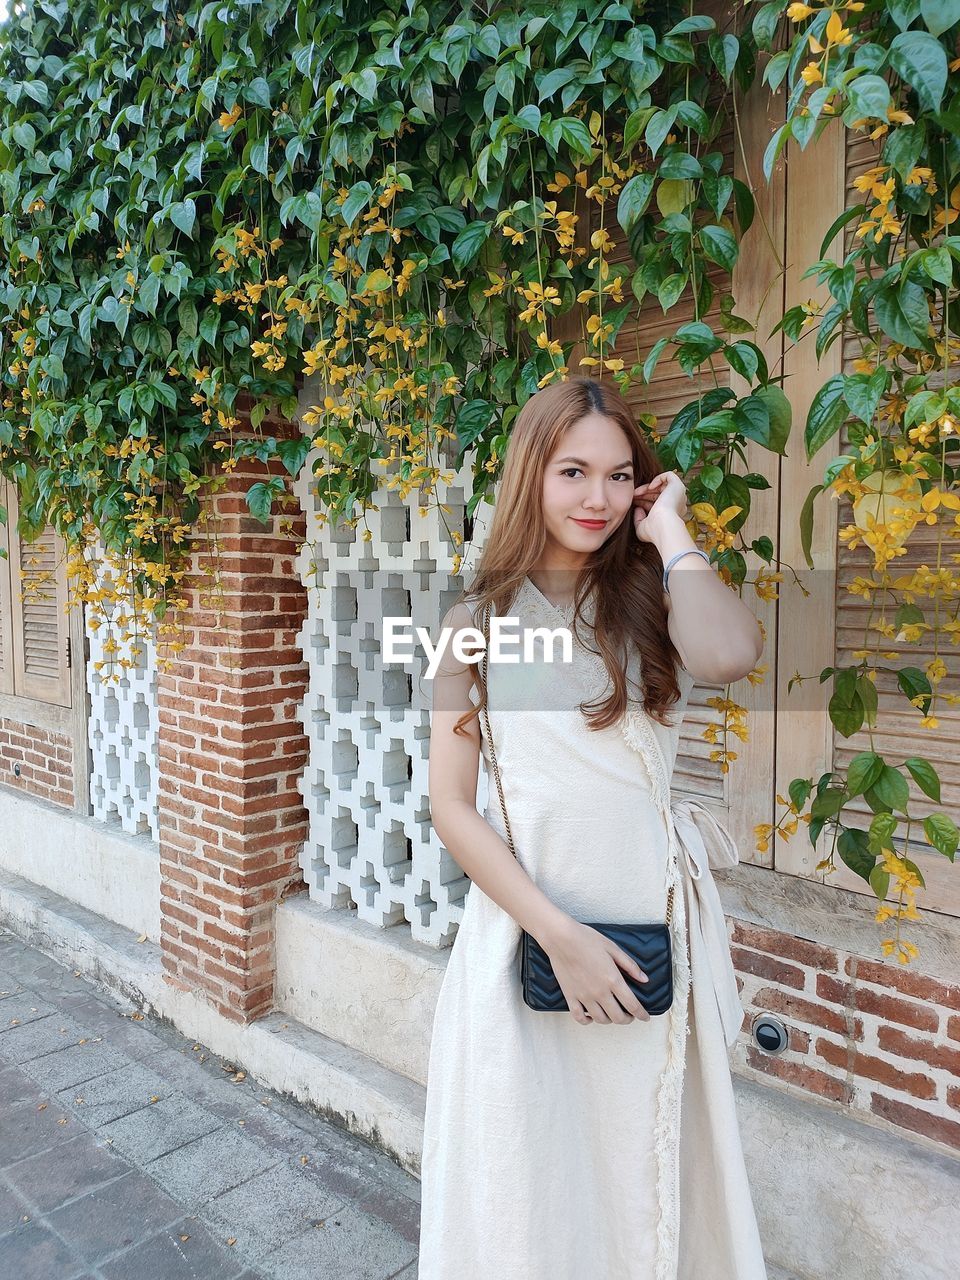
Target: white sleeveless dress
554, 1150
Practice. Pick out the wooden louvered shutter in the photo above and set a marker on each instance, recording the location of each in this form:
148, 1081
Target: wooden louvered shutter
898, 734
812, 745
39, 625
6, 598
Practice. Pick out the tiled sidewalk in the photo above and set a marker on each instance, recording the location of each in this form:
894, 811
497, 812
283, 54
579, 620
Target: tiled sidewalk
126, 1153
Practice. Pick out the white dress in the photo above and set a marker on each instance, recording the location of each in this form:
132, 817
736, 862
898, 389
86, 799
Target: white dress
554, 1150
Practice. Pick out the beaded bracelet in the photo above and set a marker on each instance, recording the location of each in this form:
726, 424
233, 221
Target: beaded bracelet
691, 551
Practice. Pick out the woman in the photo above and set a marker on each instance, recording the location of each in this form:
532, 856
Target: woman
553, 1147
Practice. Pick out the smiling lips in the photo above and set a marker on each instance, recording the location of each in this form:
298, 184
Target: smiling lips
589, 524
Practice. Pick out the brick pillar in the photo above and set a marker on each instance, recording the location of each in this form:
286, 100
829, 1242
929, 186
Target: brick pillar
231, 819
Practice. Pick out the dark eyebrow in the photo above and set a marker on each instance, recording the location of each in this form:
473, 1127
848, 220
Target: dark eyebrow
581, 463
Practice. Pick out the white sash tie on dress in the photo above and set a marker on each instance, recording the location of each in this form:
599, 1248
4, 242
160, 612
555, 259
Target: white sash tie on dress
704, 844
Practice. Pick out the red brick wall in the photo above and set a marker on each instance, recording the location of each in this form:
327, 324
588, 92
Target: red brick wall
877, 1037
231, 818
36, 761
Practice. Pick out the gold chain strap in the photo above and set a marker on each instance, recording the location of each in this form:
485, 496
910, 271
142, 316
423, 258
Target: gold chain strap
493, 754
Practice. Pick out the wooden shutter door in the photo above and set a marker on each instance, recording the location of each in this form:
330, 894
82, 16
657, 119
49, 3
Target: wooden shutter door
39, 623
826, 628
6, 599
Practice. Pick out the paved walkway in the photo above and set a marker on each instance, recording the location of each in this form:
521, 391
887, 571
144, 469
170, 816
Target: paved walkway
128, 1153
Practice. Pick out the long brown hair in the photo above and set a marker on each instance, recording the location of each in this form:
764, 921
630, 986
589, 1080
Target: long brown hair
626, 572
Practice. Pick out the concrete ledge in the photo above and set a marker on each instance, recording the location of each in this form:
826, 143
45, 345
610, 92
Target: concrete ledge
842, 1199
344, 1085
103, 868
374, 989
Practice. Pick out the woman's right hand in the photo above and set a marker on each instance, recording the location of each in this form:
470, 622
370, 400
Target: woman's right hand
588, 968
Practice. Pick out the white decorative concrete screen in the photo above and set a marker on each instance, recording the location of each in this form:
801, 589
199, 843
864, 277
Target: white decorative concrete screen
122, 734
371, 845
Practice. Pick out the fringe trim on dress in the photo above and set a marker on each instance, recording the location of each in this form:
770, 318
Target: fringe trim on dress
639, 735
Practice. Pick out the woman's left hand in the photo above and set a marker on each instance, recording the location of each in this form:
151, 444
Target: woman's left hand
657, 503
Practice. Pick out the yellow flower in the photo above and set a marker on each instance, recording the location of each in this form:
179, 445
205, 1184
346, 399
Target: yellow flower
546, 343
601, 240
811, 73
837, 33
797, 12
228, 119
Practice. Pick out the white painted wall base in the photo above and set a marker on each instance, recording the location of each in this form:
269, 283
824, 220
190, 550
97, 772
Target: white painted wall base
837, 1198
374, 989
99, 867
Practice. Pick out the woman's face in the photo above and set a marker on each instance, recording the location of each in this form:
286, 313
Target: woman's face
588, 485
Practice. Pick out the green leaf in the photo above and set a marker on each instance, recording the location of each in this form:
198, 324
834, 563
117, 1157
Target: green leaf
925, 776
854, 850
720, 246
670, 290
187, 317
776, 69
577, 135
487, 40
828, 803
421, 91
869, 96
938, 265
780, 413
554, 80
845, 708
472, 421
359, 196
903, 12
183, 214
863, 771
879, 881
837, 225
776, 144
259, 153
678, 165
293, 453
942, 833
863, 394
257, 92
658, 127
529, 117
903, 314
468, 244
903, 148
827, 414
724, 51
765, 24
259, 499
915, 684
921, 61
892, 789
654, 355
940, 15
634, 199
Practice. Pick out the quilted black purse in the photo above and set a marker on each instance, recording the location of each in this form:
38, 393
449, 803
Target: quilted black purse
649, 944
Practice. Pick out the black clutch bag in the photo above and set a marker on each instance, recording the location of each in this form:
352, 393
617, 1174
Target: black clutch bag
649, 943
